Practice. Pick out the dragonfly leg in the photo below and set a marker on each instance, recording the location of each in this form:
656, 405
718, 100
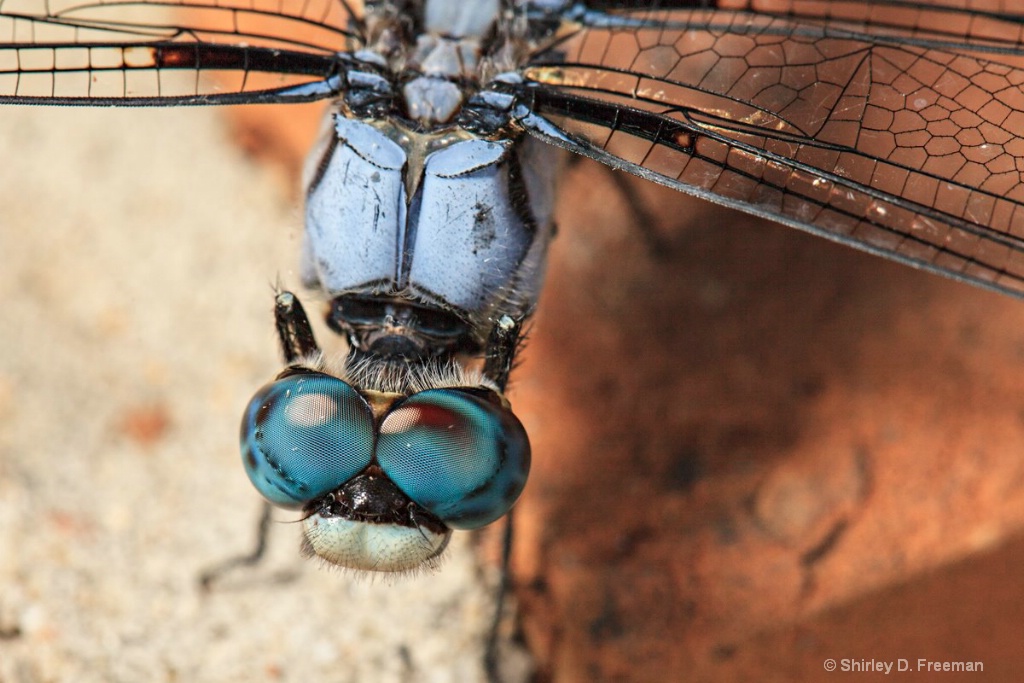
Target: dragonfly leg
491, 648
208, 577
499, 357
500, 353
293, 328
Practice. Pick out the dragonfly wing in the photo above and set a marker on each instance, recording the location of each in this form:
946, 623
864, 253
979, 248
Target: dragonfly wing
906, 148
118, 52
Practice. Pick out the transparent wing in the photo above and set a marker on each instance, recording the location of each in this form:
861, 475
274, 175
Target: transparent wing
987, 25
895, 127
171, 51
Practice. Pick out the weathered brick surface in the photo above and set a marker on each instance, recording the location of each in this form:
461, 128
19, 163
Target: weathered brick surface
743, 447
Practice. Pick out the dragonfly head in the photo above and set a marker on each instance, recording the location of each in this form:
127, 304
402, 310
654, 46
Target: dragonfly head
382, 477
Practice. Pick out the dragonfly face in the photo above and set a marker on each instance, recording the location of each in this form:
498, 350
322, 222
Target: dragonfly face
429, 197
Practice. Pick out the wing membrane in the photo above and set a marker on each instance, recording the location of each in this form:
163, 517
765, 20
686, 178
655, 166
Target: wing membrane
170, 51
986, 25
897, 147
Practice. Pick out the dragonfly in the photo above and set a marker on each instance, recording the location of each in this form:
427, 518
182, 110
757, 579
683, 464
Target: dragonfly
891, 127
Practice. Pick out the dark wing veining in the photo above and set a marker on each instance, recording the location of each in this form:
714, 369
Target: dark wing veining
990, 25
171, 51
895, 127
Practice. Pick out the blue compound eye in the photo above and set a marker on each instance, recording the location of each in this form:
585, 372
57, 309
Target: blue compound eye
459, 455
304, 435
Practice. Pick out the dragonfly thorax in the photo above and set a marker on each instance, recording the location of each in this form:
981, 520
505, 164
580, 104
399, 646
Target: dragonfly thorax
422, 241
424, 62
